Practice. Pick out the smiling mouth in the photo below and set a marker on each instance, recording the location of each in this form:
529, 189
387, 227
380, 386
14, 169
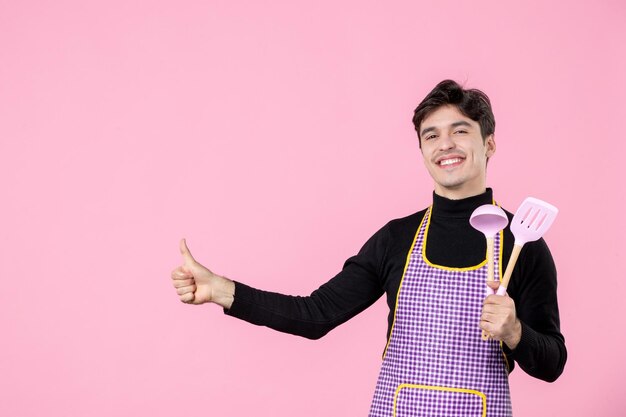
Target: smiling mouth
450, 162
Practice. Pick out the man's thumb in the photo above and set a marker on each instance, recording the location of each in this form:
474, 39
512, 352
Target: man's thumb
184, 250
494, 285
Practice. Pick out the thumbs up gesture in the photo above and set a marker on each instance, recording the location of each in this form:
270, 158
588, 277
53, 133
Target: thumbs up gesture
196, 284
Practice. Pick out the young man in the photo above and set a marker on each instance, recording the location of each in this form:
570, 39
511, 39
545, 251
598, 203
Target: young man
432, 267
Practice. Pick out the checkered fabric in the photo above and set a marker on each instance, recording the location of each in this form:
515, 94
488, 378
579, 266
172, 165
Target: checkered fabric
436, 363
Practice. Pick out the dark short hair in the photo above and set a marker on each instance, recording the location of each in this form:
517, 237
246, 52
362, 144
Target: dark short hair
472, 103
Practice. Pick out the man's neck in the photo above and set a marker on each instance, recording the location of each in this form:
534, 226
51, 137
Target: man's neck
458, 194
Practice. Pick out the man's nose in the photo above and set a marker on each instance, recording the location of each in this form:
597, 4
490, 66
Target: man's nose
446, 142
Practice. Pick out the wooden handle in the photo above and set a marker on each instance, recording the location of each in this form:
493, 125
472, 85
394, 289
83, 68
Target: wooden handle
509, 267
490, 273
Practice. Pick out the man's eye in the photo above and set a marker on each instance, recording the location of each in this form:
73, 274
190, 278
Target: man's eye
461, 132
431, 137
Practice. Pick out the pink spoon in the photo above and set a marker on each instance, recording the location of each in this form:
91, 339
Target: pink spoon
489, 219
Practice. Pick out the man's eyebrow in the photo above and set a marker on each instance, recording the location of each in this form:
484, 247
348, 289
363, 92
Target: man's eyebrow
428, 129
460, 123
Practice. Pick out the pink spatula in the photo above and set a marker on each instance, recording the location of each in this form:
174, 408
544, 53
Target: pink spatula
532, 219
489, 219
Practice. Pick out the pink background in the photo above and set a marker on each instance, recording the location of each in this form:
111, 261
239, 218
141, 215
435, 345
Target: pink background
276, 137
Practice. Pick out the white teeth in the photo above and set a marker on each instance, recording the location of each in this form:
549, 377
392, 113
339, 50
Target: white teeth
449, 161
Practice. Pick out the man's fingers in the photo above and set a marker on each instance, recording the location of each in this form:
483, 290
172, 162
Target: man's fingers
486, 326
495, 299
187, 289
181, 273
490, 307
184, 250
179, 283
187, 298
494, 285
488, 317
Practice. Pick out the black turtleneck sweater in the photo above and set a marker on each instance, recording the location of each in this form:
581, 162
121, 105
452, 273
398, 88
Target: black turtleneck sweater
378, 267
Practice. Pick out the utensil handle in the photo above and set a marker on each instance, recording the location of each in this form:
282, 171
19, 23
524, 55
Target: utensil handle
490, 274
490, 268
509, 268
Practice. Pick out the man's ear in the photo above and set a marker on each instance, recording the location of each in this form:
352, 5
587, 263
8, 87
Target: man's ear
490, 145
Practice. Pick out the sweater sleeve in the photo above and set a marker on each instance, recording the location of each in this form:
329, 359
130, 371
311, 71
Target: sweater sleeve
541, 351
352, 290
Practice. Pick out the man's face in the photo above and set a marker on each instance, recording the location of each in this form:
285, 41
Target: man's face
454, 153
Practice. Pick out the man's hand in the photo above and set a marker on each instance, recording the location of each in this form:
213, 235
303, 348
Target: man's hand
499, 318
196, 284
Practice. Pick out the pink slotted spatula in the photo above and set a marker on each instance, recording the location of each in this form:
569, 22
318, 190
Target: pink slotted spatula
531, 220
